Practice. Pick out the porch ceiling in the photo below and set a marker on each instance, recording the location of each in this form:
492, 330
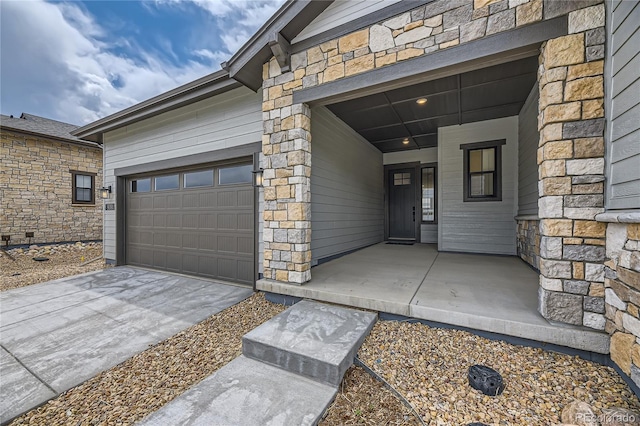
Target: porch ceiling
385, 119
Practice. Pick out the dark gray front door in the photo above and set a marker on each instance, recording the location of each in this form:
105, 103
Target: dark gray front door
402, 207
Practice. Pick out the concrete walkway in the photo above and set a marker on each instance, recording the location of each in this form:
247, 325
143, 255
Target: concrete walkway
289, 372
498, 294
56, 335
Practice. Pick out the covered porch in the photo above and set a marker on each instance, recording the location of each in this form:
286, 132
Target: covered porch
489, 293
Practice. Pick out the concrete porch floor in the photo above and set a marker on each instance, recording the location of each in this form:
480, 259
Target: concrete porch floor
497, 294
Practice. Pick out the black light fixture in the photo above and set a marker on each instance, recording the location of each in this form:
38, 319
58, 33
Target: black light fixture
105, 192
257, 177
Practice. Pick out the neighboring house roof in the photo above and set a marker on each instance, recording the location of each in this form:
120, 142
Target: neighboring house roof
207, 86
45, 127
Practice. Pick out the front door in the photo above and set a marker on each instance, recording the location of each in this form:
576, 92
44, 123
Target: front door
402, 204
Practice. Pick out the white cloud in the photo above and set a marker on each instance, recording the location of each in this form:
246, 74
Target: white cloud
237, 20
59, 62
56, 63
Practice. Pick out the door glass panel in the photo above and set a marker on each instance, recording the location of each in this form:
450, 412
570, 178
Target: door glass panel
198, 179
236, 174
401, 179
164, 183
428, 194
141, 185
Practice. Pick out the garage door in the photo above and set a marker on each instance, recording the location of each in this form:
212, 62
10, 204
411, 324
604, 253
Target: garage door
197, 222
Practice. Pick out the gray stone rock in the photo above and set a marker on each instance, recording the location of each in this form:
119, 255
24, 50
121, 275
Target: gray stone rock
441, 6
611, 298
593, 320
447, 36
412, 35
486, 380
284, 78
583, 129
380, 38
593, 304
298, 60
473, 30
561, 307
595, 53
347, 56
576, 287
555, 268
551, 247
280, 236
458, 16
498, 7
586, 19
501, 21
553, 8
588, 166
610, 273
590, 200
310, 81
595, 36
584, 253
423, 44
398, 22
417, 14
582, 180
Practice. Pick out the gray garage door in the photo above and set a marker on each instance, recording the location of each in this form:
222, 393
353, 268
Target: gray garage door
197, 222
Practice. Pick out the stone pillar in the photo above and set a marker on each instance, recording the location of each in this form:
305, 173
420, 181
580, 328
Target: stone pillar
286, 147
571, 172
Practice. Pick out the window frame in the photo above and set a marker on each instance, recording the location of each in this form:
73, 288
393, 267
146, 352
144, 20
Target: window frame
433, 166
497, 173
74, 198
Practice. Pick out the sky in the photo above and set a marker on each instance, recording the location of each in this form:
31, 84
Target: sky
79, 61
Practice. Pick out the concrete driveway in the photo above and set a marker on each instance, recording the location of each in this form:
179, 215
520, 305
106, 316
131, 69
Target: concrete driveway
58, 334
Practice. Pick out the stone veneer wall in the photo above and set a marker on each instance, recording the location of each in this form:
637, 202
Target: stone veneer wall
622, 296
528, 235
571, 172
37, 189
438, 25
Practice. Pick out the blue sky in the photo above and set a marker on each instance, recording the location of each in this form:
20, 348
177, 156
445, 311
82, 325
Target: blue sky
78, 61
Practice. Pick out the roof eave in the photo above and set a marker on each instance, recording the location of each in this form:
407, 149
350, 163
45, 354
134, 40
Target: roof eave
246, 65
89, 144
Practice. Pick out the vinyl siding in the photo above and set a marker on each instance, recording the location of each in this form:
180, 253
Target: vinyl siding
428, 233
528, 137
231, 119
477, 227
623, 105
347, 193
340, 12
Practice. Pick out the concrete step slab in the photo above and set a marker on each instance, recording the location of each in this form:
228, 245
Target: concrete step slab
248, 392
315, 340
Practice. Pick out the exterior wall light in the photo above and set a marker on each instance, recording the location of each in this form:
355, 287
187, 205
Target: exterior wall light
421, 101
257, 178
105, 192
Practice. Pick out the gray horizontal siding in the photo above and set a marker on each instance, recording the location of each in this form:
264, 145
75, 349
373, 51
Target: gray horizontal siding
623, 105
340, 12
224, 121
477, 227
347, 194
528, 137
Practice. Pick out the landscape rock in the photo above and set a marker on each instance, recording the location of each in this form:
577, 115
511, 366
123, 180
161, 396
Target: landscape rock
579, 413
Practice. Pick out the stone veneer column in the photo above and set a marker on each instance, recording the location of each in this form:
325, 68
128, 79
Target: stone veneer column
286, 147
571, 172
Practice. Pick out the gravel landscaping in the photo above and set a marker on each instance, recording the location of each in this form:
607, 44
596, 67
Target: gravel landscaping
428, 366
64, 261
